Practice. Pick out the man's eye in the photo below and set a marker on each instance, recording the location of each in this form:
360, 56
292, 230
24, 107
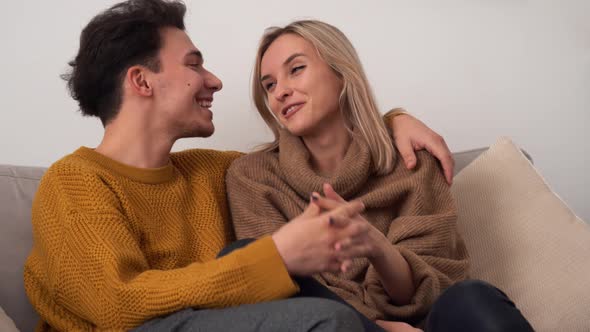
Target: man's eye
296, 69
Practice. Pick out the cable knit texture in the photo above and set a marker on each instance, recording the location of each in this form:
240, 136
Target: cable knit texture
414, 209
116, 245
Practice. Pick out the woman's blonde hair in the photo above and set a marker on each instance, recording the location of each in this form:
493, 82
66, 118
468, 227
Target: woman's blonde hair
356, 98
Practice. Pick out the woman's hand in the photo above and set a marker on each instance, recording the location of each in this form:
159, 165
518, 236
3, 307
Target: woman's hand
392, 268
410, 134
306, 243
371, 244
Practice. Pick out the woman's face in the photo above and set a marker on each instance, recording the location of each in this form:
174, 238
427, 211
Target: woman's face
302, 90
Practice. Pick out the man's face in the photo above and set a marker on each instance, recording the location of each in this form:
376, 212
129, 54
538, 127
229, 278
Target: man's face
183, 89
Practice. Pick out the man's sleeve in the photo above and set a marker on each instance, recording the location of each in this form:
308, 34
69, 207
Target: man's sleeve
91, 263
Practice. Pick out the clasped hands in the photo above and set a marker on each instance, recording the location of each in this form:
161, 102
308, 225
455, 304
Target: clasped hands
327, 236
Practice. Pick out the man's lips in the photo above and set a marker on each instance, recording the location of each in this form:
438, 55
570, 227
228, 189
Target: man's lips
205, 102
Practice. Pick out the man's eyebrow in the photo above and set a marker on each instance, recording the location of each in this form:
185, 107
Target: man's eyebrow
198, 54
289, 59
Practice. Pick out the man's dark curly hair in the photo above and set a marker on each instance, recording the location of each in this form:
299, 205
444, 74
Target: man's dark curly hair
122, 36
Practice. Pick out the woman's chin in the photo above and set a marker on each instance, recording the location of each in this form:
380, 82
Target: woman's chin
299, 130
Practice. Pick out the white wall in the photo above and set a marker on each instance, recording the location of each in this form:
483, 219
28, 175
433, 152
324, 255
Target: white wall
473, 70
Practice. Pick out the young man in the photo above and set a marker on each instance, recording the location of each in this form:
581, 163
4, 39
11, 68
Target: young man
129, 231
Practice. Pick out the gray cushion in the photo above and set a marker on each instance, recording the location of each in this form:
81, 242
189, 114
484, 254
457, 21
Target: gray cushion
6, 324
464, 158
17, 188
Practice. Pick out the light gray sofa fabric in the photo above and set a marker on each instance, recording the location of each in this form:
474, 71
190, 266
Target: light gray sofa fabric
17, 189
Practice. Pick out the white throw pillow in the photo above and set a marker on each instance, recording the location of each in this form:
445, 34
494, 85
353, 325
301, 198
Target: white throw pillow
6, 324
523, 239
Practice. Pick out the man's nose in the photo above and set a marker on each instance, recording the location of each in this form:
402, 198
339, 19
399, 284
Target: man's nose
213, 82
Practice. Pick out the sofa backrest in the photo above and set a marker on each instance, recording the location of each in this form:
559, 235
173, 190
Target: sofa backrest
17, 188
18, 185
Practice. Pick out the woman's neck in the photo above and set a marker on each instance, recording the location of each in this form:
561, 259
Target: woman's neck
328, 147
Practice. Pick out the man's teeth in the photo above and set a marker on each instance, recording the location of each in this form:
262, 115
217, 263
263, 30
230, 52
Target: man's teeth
205, 103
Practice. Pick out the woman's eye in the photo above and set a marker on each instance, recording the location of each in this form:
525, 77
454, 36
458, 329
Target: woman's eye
296, 69
269, 86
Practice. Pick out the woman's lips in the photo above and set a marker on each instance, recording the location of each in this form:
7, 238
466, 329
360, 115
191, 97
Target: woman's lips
289, 111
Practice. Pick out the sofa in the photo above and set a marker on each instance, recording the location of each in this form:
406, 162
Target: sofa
19, 183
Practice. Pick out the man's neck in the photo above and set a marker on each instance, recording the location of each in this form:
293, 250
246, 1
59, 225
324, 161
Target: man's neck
134, 141
328, 147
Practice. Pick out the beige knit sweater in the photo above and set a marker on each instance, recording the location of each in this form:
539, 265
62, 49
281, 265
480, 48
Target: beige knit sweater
414, 209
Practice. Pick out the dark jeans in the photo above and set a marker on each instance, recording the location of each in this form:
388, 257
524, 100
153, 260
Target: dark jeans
474, 305
470, 305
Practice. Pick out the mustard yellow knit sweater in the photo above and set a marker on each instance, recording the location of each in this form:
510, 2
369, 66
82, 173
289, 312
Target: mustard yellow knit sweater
116, 245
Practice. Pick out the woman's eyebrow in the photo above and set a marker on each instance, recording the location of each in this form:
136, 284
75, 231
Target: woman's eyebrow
292, 57
289, 59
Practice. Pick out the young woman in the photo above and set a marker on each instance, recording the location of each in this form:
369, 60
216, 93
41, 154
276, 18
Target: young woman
311, 90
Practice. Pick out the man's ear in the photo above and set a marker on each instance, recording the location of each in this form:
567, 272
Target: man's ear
137, 78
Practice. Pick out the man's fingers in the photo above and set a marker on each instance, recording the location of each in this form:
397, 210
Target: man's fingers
448, 163
406, 151
353, 230
338, 220
332, 265
354, 251
448, 170
343, 244
345, 265
438, 148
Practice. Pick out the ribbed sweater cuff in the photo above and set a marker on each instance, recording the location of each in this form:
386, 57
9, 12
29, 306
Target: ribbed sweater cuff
266, 272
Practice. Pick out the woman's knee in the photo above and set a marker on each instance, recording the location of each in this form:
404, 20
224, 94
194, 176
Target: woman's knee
479, 305
470, 296
471, 292
234, 246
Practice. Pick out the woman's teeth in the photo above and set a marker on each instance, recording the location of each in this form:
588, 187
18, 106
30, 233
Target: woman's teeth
290, 109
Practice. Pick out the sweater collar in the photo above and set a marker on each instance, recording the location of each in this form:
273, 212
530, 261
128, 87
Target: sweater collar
145, 175
348, 179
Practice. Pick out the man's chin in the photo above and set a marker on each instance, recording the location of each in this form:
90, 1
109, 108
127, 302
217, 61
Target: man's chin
207, 134
203, 132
